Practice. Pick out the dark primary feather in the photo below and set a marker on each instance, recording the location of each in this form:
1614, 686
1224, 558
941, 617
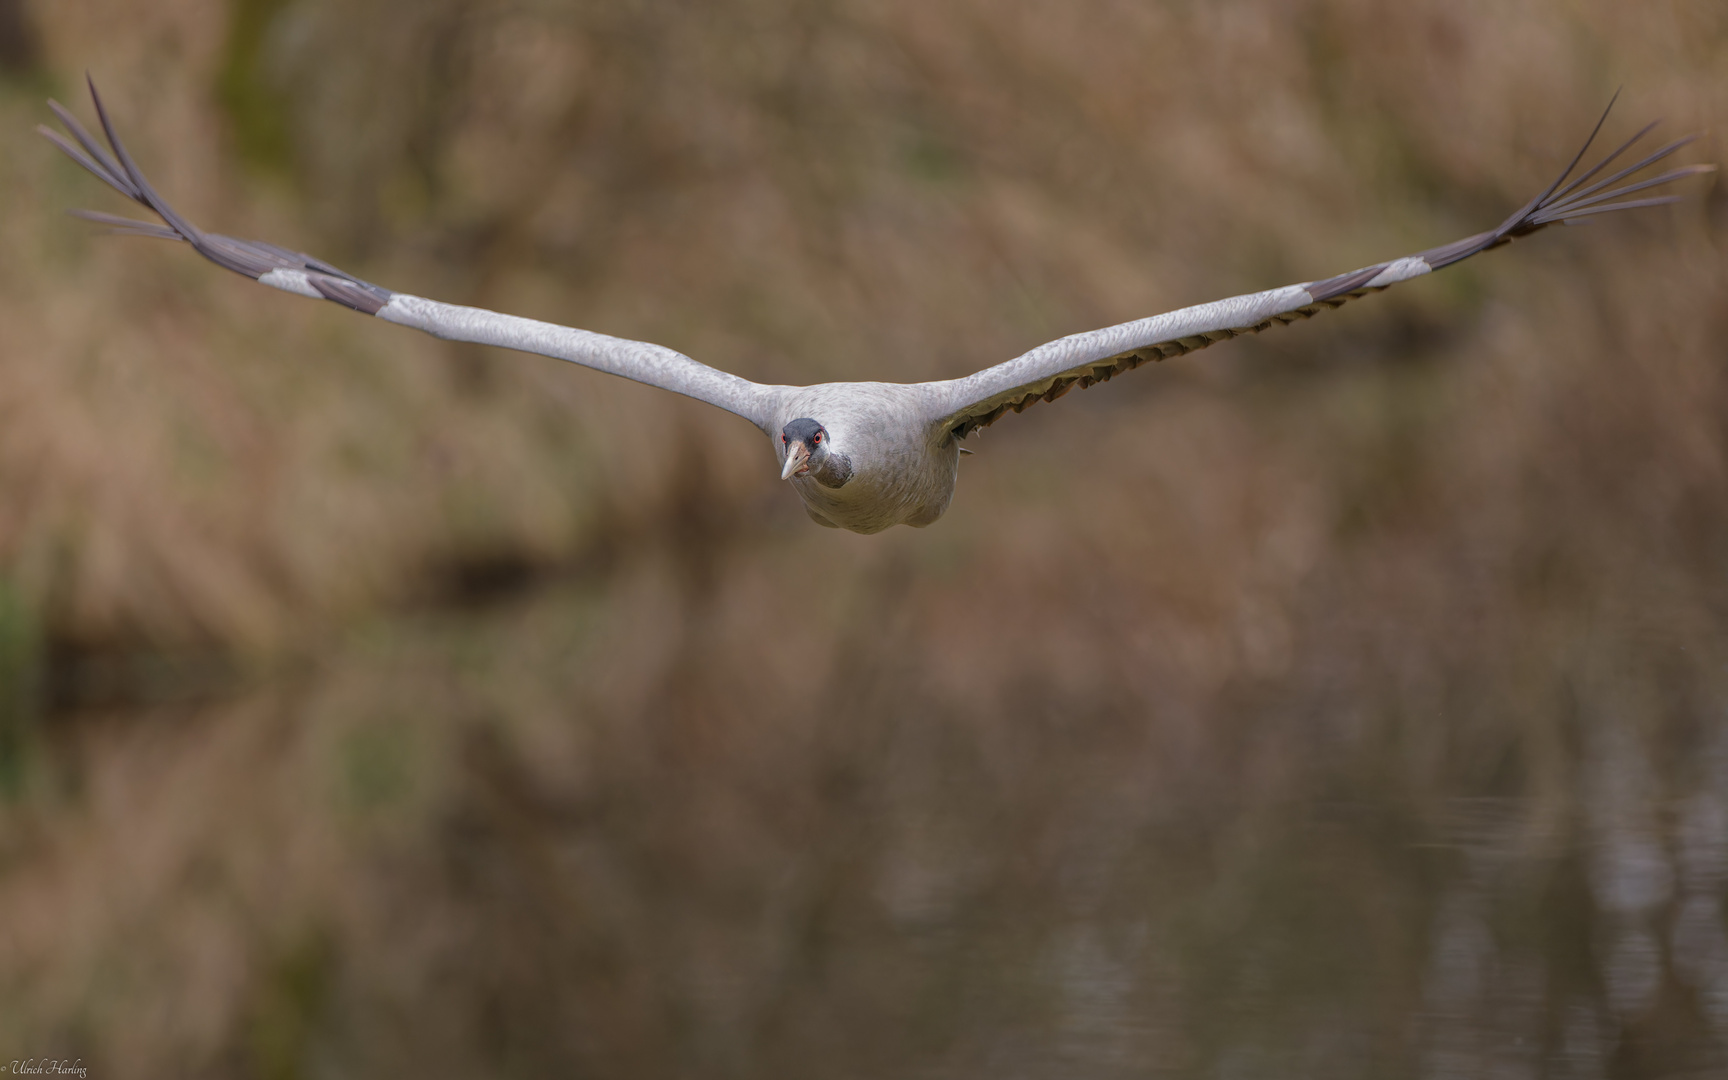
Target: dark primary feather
249, 257
124, 226
1555, 204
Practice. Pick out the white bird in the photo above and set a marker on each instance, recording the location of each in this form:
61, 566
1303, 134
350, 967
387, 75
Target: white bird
863, 455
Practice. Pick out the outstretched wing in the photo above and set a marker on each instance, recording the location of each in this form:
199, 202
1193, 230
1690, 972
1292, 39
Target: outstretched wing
303, 275
1049, 371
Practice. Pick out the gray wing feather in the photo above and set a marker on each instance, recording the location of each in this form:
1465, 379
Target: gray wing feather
638, 360
1049, 371
303, 275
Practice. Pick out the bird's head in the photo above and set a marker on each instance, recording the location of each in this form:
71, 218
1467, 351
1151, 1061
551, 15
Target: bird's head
809, 451
806, 444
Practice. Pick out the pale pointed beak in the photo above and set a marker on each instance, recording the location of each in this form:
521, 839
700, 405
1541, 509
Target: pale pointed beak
797, 457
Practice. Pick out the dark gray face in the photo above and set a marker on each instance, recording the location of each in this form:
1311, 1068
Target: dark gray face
807, 452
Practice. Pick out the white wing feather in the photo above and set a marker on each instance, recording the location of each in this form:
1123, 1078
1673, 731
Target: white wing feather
655, 365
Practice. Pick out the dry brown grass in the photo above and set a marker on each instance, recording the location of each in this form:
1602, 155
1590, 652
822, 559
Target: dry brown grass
797, 193
1146, 727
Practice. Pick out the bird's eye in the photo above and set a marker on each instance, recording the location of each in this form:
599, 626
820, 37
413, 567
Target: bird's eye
783, 438
818, 438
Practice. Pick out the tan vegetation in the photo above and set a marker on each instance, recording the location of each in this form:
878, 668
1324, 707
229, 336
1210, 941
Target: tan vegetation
1226, 701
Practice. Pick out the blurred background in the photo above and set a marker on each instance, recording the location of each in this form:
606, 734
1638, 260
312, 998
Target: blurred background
1349, 701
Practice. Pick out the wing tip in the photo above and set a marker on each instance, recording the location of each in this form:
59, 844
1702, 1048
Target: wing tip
247, 258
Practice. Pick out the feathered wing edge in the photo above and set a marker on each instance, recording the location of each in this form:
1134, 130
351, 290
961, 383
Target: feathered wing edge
252, 258
303, 275
1049, 371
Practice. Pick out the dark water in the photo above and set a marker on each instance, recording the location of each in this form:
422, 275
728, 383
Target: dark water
556, 839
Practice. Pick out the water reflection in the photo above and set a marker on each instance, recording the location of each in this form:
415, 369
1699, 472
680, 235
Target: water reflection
492, 845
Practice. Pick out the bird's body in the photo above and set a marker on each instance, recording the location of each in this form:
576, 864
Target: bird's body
903, 462
862, 456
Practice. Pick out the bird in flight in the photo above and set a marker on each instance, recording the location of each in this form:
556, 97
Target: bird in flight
865, 455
